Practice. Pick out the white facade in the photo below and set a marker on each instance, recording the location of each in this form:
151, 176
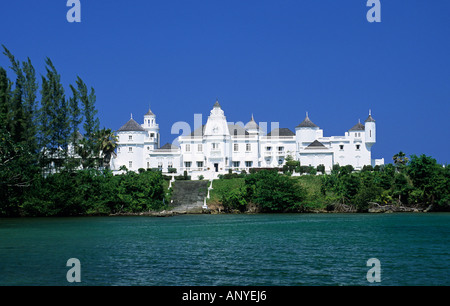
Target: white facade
219, 146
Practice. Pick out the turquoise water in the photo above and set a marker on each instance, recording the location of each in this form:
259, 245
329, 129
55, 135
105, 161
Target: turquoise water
244, 250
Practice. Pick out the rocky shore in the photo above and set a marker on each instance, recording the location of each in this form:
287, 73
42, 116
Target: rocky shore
338, 208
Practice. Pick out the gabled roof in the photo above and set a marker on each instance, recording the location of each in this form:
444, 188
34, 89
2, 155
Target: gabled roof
199, 131
316, 145
281, 132
237, 130
358, 127
131, 125
306, 123
168, 147
217, 104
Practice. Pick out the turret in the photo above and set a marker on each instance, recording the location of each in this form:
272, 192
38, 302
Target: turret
370, 129
307, 131
152, 140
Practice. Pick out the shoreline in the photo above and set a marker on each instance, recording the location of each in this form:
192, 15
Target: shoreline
374, 209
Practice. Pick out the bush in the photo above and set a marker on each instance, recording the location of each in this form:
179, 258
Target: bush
274, 192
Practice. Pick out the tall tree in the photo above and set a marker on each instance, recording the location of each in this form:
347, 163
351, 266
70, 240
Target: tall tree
89, 149
54, 115
17, 112
5, 93
29, 103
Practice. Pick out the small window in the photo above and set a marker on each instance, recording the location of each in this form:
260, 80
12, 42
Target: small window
269, 149
248, 147
152, 135
200, 148
280, 161
187, 164
130, 164
215, 146
248, 164
280, 149
236, 147
236, 164
199, 164
130, 137
130, 149
358, 147
341, 147
188, 148
160, 165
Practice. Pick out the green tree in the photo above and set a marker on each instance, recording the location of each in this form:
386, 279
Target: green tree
89, 150
54, 116
16, 119
274, 192
5, 94
108, 144
426, 175
400, 160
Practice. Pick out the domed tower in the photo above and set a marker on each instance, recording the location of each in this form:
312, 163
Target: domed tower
370, 130
252, 127
307, 131
152, 139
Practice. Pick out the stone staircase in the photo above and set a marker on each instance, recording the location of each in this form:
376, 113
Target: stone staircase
188, 196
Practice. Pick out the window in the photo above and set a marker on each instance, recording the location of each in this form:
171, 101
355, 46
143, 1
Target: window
280, 161
370, 133
170, 165
248, 147
248, 164
341, 147
199, 164
152, 135
236, 164
130, 137
280, 149
187, 164
148, 165
357, 147
148, 148
130, 164
200, 148
130, 149
268, 148
188, 148
160, 165
236, 147
215, 146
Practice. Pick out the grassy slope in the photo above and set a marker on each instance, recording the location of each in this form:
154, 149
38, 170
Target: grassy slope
312, 184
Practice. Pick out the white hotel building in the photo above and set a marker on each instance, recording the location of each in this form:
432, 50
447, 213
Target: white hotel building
218, 146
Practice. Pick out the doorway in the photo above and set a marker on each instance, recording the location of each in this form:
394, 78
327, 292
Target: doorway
216, 167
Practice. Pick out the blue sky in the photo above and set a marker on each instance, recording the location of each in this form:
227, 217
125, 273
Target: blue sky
276, 59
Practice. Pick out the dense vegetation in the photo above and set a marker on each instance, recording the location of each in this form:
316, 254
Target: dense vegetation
418, 181
53, 155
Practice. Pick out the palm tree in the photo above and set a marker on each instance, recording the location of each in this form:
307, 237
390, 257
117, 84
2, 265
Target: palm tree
400, 160
107, 145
